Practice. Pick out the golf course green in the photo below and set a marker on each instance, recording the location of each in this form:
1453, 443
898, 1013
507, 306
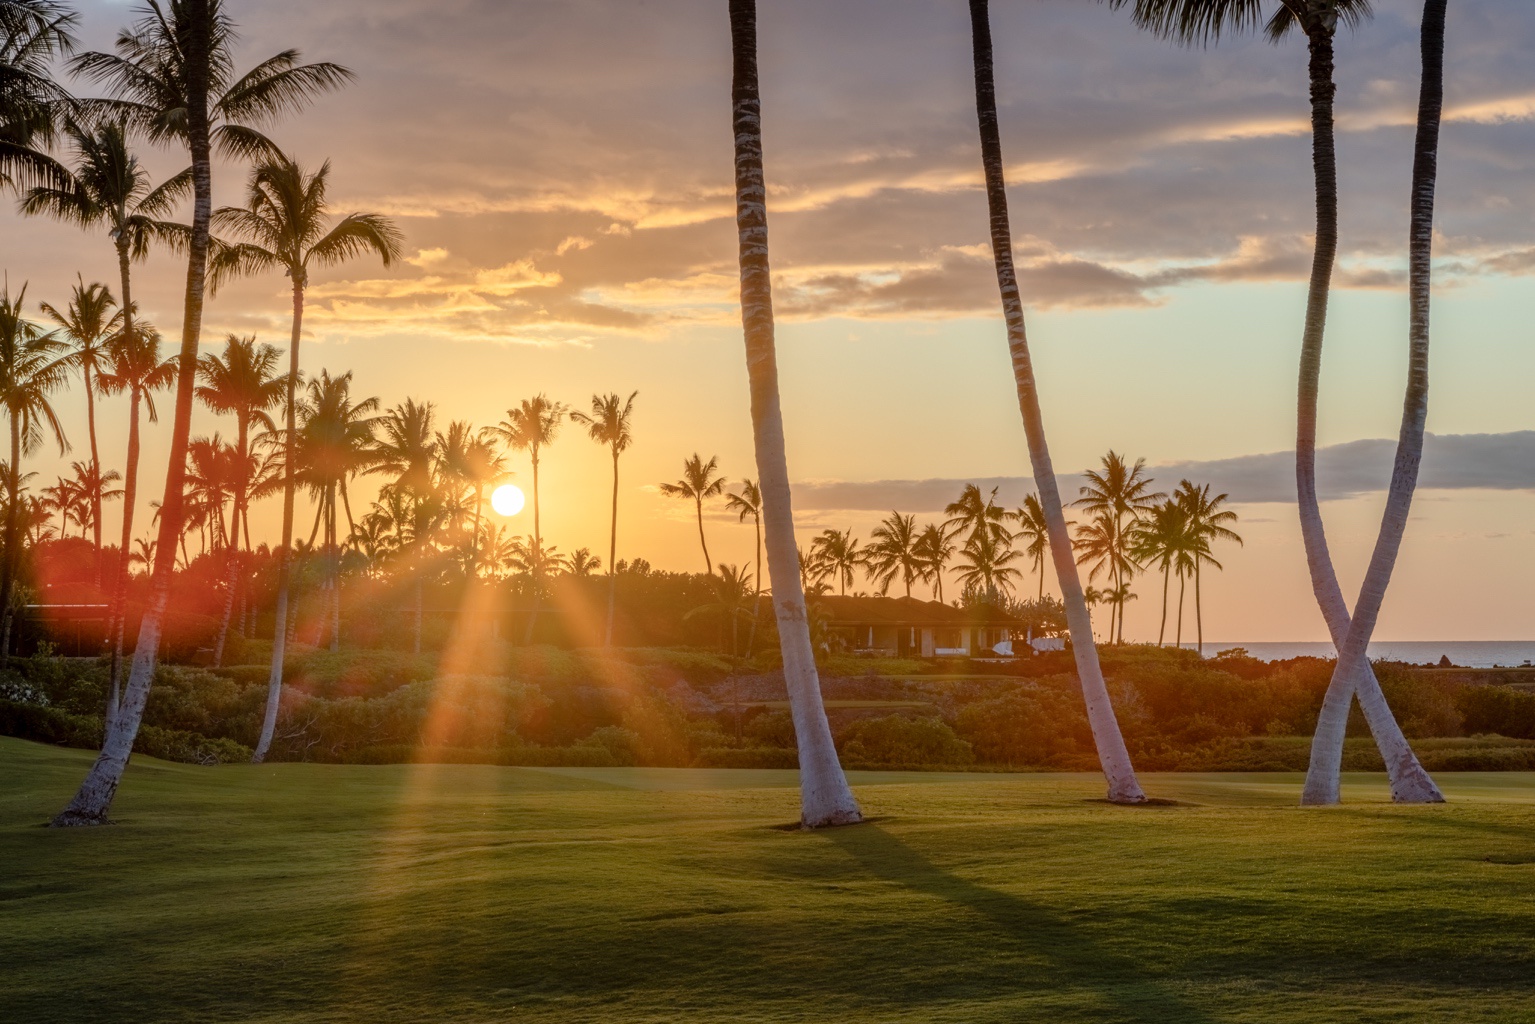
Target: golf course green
310, 893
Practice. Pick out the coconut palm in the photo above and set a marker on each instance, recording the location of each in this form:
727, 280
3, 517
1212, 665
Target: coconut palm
1118, 499
976, 514
94, 488
530, 557
748, 502
1034, 531
935, 548
583, 563
33, 364
32, 33
1206, 523
609, 424
173, 78
892, 552
985, 563
88, 323
531, 427
733, 594
699, 483
467, 461
286, 224
836, 553
1112, 753
406, 448
1101, 544
108, 187
1164, 540
825, 798
133, 365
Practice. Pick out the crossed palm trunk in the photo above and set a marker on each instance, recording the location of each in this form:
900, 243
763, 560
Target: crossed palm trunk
1410, 783
1112, 753
825, 798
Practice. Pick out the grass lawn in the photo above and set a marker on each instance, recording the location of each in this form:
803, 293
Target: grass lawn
307, 893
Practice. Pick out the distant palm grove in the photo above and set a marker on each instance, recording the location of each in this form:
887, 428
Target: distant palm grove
430, 571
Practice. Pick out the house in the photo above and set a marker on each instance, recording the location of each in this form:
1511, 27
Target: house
908, 627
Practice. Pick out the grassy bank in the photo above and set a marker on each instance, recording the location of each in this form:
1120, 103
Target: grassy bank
309, 893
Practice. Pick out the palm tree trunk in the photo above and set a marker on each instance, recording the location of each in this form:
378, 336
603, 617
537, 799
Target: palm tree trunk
416, 645
1199, 616
335, 570
1112, 753
1178, 637
94, 798
751, 634
538, 538
825, 798
232, 554
1166, 579
119, 610
698, 504
284, 556
607, 635
12, 542
1409, 782
96, 484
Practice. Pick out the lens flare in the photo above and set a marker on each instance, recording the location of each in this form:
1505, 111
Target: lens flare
507, 499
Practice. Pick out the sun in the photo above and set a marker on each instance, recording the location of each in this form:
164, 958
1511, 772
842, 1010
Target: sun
507, 499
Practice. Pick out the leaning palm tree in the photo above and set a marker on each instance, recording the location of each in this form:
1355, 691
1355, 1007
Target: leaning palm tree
700, 483
531, 427
89, 322
825, 798
1034, 532
33, 364
1202, 22
134, 365
1112, 753
608, 424
173, 78
892, 552
286, 224
32, 33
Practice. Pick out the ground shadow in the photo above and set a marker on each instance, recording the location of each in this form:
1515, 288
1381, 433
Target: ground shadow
1077, 957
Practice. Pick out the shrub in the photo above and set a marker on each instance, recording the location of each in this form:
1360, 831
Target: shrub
898, 740
1036, 726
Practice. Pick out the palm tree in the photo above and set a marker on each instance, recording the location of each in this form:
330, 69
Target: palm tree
609, 424
108, 186
94, 488
89, 322
1112, 753
133, 365
1099, 543
406, 448
733, 591
32, 33
1035, 531
976, 514
286, 223
243, 382
935, 548
836, 554
531, 427
335, 443
1206, 523
748, 502
32, 365
530, 557
1118, 499
986, 564
467, 460
173, 78
1410, 783
825, 798
698, 482
893, 552
1164, 539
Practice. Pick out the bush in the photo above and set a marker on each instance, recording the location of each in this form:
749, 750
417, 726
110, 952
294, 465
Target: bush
1034, 726
49, 725
898, 740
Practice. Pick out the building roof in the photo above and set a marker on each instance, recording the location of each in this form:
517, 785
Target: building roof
906, 611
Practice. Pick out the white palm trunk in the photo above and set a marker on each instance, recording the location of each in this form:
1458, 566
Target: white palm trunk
825, 798
1112, 753
1409, 782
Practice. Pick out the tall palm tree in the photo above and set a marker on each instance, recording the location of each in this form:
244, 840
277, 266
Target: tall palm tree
609, 424
1165, 540
108, 187
1203, 21
286, 224
1118, 499
1206, 522
33, 364
531, 427
94, 487
836, 553
1112, 753
893, 553
173, 78
935, 548
698, 482
89, 322
32, 33
406, 447
134, 365
976, 514
825, 798
1034, 531
1410, 783
1101, 544
243, 382
748, 502
986, 564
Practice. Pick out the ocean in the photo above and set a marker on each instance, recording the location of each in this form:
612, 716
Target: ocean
1465, 653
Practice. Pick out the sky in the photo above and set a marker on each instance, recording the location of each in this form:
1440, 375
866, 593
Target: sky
561, 172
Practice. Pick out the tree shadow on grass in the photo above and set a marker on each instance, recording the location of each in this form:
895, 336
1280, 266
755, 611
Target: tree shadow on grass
1078, 959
